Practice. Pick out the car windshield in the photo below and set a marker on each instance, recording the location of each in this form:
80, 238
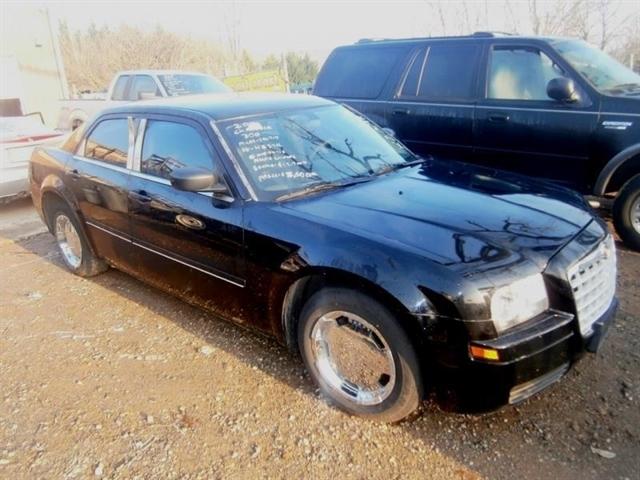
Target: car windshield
297, 151
602, 71
183, 84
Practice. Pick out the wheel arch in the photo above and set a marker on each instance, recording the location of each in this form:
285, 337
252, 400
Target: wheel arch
314, 279
622, 166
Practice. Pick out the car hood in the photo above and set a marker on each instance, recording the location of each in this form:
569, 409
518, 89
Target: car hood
456, 213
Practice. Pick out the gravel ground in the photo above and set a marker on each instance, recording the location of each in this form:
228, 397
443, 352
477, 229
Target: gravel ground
107, 377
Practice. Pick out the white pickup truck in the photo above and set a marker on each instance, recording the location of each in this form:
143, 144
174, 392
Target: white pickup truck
137, 85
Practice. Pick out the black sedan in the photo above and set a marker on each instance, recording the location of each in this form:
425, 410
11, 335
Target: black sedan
392, 275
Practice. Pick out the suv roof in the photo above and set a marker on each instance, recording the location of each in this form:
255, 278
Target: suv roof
473, 36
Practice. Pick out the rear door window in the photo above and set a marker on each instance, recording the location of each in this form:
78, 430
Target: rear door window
357, 72
109, 142
442, 72
169, 145
143, 84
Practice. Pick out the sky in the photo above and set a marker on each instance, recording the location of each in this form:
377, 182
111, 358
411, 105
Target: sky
313, 26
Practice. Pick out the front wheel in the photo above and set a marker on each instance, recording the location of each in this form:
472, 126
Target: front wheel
359, 356
626, 213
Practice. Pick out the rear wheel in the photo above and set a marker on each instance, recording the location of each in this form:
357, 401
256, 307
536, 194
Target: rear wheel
626, 213
359, 356
73, 245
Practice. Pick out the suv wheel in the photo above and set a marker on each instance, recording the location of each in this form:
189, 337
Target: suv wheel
73, 245
359, 356
626, 213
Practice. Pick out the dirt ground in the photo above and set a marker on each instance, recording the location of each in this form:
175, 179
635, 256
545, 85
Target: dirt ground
107, 377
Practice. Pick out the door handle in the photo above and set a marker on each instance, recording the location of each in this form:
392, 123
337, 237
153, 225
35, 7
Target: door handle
74, 174
498, 117
140, 196
400, 111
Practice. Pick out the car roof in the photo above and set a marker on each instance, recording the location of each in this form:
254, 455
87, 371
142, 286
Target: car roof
222, 106
159, 72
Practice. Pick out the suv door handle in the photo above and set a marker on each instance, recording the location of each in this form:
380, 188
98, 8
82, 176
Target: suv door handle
400, 111
498, 117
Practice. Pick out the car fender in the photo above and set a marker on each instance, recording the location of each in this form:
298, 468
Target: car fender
612, 166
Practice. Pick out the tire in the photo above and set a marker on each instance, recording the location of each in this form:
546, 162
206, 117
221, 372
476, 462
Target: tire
340, 331
72, 241
626, 213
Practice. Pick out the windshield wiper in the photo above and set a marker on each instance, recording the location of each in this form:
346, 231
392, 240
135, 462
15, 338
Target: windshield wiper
321, 186
398, 166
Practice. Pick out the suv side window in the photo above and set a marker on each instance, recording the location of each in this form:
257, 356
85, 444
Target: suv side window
109, 142
442, 72
169, 145
118, 89
143, 84
520, 73
357, 72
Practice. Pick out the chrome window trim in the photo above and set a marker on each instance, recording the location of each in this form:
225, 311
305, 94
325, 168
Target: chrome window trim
169, 257
137, 149
489, 107
132, 139
99, 163
234, 160
424, 63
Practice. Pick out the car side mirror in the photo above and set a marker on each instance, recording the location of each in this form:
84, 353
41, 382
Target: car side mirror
195, 179
562, 89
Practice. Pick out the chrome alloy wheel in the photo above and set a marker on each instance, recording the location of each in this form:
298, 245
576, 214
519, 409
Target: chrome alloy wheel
635, 215
352, 358
68, 240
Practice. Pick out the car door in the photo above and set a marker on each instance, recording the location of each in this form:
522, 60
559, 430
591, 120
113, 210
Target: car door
519, 128
99, 179
190, 243
433, 109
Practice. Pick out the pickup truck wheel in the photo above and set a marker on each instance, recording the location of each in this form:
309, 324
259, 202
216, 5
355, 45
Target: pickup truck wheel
359, 356
72, 242
626, 213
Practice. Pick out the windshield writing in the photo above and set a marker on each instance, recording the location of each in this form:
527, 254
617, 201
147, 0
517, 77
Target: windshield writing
290, 151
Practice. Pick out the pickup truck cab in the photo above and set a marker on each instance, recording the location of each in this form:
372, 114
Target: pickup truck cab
552, 108
131, 86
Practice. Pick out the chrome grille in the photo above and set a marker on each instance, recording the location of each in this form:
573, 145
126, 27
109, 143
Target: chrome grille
593, 282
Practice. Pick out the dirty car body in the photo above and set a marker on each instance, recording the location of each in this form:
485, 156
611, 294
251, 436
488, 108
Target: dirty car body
436, 244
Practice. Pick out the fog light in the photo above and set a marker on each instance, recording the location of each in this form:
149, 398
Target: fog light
484, 353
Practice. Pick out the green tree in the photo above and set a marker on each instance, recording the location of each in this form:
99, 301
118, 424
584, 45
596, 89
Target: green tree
301, 68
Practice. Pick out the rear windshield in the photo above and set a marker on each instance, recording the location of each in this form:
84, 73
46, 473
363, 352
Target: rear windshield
185, 84
357, 72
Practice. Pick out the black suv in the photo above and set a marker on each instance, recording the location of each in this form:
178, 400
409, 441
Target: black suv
553, 108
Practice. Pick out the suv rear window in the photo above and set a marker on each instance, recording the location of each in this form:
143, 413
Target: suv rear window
447, 73
357, 72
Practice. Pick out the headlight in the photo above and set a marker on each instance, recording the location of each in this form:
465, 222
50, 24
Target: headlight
518, 302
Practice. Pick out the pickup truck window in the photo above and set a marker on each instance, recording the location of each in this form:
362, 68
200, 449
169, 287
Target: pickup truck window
109, 142
169, 145
181, 84
142, 84
520, 73
444, 72
119, 87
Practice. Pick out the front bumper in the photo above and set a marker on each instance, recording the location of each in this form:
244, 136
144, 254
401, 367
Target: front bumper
530, 358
